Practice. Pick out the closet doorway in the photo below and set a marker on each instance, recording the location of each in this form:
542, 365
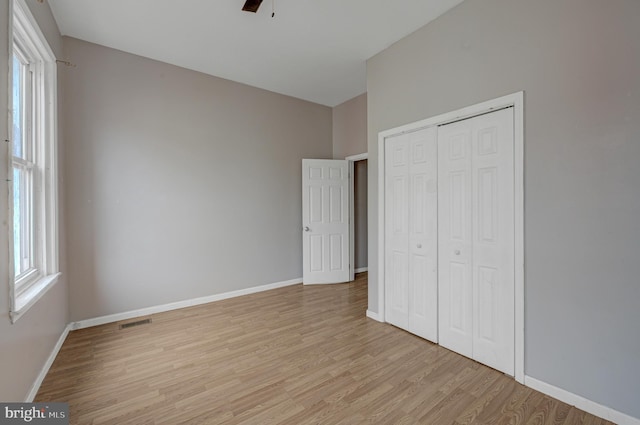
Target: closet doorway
451, 231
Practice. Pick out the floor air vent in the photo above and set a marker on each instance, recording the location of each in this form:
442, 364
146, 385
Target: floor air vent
138, 323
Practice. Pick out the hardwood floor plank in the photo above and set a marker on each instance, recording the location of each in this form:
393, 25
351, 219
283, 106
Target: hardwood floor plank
503, 402
296, 355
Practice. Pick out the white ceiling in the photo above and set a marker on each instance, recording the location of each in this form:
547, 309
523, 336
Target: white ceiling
313, 49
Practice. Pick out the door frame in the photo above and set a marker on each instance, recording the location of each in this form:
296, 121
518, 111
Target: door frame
352, 211
515, 100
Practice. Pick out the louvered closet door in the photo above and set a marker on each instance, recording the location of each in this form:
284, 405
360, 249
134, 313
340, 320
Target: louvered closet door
411, 232
476, 238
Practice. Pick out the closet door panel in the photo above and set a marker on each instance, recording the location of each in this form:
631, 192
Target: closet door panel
493, 244
397, 156
455, 255
423, 243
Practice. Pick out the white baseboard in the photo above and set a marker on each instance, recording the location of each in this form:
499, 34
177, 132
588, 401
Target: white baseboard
361, 270
581, 402
373, 315
87, 323
47, 365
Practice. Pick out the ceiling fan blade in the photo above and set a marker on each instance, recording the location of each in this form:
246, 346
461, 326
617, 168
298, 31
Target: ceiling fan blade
251, 5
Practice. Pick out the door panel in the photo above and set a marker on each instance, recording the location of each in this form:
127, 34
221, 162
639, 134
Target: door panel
397, 234
455, 255
493, 248
476, 234
325, 221
423, 243
411, 243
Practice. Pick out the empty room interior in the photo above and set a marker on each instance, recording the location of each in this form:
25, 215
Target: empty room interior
335, 212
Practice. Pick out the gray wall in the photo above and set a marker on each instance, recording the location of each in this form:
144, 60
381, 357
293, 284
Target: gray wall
350, 127
350, 138
578, 62
26, 345
180, 185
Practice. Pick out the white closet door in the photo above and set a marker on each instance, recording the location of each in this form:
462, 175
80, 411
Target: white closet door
411, 232
476, 236
397, 231
423, 240
455, 253
493, 247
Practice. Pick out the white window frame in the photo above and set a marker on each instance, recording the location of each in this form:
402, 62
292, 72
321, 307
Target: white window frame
44, 274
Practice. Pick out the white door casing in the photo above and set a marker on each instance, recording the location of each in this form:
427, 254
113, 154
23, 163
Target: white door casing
476, 238
411, 210
325, 221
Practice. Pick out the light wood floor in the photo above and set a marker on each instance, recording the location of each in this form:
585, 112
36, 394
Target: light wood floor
297, 355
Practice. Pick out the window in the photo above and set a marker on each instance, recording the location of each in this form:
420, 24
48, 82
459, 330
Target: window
33, 173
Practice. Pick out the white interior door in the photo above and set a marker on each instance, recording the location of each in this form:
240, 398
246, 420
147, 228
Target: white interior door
325, 221
411, 233
476, 238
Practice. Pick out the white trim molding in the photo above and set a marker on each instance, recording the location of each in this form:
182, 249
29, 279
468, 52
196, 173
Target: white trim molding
581, 403
47, 365
24, 302
515, 100
373, 315
87, 323
26, 37
358, 157
362, 270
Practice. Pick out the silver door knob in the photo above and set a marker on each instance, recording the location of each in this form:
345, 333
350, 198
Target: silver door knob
306, 228
457, 252
419, 245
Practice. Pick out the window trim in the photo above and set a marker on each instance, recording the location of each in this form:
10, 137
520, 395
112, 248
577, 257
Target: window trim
26, 33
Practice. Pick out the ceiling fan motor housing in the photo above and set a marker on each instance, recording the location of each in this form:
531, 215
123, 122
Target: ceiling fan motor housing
251, 5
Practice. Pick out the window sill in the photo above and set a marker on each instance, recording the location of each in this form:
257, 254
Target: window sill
27, 299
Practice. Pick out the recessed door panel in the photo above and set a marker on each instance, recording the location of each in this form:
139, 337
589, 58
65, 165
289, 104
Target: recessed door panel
336, 207
315, 204
399, 195
336, 251
399, 290
487, 288
487, 193
316, 252
458, 205
458, 294
336, 173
